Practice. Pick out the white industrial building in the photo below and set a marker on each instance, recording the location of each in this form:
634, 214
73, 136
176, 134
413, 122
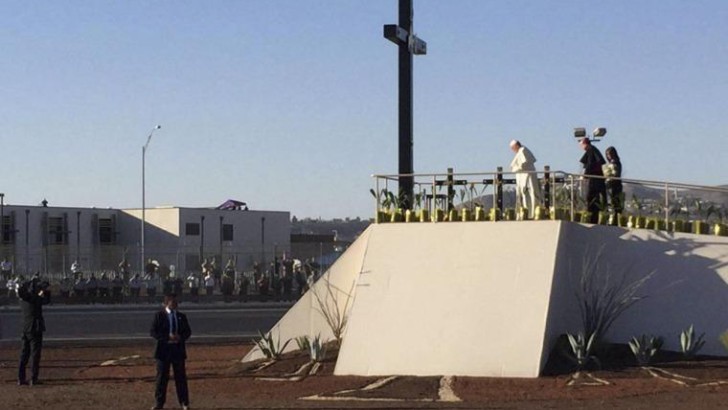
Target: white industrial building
48, 239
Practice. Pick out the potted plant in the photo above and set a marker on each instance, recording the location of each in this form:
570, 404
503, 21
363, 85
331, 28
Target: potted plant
540, 213
703, 211
397, 214
452, 215
480, 214
561, 196
383, 205
585, 217
424, 213
637, 221
603, 218
559, 214
438, 213
650, 223
415, 215
466, 212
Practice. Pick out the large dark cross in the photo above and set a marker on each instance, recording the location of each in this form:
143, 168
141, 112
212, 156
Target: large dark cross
409, 45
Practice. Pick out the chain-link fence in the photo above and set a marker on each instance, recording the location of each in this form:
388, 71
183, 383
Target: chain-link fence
110, 274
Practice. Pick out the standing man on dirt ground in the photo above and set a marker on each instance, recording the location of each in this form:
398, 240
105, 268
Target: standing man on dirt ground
171, 330
33, 295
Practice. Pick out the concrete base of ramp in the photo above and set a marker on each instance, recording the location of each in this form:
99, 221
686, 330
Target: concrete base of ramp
490, 299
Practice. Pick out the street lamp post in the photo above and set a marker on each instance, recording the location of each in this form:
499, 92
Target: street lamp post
2, 220
144, 204
2, 225
262, 241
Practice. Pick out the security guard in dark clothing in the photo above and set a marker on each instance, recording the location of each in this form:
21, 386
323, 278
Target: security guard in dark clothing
33, 295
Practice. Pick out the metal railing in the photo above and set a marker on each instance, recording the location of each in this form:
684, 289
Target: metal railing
644, 204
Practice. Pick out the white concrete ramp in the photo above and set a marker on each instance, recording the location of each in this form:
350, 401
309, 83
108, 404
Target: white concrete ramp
490, 299
452, 298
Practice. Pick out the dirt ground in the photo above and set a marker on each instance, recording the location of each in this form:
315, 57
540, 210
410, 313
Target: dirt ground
122, 377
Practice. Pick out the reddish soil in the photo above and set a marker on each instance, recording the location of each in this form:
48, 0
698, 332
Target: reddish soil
74, 379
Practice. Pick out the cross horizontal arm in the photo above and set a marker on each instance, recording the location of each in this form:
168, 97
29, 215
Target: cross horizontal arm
395, 34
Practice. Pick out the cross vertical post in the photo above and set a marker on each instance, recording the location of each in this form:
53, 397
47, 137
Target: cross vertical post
408, 45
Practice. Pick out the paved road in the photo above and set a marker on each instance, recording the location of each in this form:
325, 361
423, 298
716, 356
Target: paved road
118, 323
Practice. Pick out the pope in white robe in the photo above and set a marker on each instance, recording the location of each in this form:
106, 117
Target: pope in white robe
528, 189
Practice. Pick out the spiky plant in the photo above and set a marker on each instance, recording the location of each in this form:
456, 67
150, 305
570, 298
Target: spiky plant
581, 349
689, 344
304, 343
317, 349
270, 347
644, 348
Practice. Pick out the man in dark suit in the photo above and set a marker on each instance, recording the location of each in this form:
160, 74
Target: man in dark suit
171, 330
596, 191
33, 295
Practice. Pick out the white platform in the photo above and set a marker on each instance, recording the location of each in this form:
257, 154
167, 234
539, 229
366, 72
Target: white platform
490, 299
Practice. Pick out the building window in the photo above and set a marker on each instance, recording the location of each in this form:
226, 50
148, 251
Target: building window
192, 229
6, 231
106, 231
227, 232
56, 233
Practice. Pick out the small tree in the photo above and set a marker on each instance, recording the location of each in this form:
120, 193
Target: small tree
327, 304
602, 297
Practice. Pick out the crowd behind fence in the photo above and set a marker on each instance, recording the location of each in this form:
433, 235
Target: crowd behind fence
284, 279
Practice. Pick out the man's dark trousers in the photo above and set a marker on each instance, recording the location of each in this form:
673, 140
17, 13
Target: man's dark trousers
175, 360
31, 346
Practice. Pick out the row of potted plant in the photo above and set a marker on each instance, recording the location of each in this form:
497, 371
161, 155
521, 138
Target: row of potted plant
509, 214
391, 210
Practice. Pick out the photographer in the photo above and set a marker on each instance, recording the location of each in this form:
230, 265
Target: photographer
33, 295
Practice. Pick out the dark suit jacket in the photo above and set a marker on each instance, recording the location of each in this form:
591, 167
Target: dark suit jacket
160, 332
31, 305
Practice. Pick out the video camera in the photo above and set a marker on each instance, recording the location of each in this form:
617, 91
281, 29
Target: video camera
35, 285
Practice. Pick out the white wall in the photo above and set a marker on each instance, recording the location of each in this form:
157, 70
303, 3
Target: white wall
490, 299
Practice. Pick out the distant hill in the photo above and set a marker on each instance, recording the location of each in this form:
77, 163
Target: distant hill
347, 230
646, 194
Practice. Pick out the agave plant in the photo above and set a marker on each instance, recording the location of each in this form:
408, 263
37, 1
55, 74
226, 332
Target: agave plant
472, 192
637, 205
714, 211
689, 344
304, 343
418, 200
644, 348
270, 347
317, 349
581, 349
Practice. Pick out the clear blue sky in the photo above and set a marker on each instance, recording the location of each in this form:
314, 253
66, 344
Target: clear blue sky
292, 104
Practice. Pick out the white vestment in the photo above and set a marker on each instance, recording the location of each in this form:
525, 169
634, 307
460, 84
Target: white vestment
528, 189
